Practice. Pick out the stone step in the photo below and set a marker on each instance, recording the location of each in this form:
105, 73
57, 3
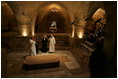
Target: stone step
62, 41
59, 45
62, 47
58, 39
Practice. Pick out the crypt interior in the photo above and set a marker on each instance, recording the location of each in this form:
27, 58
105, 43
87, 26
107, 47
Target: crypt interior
85, 33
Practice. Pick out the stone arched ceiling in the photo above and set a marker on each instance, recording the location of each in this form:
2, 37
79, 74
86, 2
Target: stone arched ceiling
7, 18
93, 7
30, 9
62, 14
46, 8
100, 13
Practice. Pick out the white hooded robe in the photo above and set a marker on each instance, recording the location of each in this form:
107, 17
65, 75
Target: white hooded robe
33, 48
52, 43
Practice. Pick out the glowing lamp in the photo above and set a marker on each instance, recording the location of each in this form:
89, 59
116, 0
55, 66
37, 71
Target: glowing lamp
24, 34
80, 35
33, 34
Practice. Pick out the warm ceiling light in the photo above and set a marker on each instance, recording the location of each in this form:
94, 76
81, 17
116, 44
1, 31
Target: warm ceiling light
54, 10
54, 7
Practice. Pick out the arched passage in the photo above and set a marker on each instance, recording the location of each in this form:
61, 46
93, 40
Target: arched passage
99, 18
47, 21
99, 14
7, 18
60, 16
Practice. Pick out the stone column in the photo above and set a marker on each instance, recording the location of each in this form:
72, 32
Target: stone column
73, 31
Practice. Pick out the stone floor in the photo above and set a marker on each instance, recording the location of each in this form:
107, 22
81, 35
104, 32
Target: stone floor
69, 67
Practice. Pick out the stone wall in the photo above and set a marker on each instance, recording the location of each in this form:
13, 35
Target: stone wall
110, 50
8, 20
3, 62
40, 8
15, 43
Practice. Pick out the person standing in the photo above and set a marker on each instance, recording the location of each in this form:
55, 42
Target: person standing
37, 44
33, 48
44, 44
52, 43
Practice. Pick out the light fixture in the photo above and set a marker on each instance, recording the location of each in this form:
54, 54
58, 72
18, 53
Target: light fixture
54, 10
33, 34
80, 35
24, 32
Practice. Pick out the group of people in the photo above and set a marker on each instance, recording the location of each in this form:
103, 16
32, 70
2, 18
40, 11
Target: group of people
34, 44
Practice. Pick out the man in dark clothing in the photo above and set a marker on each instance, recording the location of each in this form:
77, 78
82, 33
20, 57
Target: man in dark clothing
44, 44
37, 44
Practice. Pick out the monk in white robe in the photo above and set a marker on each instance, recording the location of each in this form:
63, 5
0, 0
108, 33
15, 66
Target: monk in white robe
52, 43
33, 48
